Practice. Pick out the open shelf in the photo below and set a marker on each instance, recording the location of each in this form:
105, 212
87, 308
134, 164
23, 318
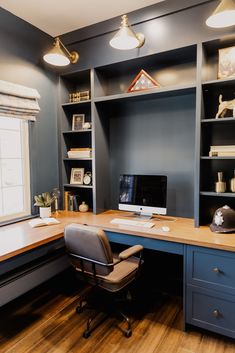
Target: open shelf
74, 104
77, 131
77, 159
212, 193
217, 158
220, 120
78, 186
151, 93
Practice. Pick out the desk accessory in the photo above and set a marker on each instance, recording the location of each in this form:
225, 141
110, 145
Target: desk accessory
220, 185
83, 207
44, 202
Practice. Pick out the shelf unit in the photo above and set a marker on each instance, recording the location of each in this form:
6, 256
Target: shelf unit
69, 83
214, 132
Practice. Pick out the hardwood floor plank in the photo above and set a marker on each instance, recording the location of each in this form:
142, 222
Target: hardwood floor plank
45, 321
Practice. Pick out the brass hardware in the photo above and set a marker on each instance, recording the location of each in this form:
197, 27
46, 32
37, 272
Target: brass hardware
216, 313
216, 270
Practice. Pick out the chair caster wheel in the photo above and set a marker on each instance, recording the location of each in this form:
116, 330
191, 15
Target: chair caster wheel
128, 333
79, 310
86, 334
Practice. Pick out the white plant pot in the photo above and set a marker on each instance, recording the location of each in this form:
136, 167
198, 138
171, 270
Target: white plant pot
45, 212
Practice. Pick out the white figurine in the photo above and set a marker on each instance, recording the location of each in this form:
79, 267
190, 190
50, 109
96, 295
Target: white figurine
224, 106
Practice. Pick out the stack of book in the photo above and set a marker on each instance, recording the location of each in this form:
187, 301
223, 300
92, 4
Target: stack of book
222, 151
79, 96
80, 152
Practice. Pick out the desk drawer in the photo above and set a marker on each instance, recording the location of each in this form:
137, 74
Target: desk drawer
209, 268
211, 310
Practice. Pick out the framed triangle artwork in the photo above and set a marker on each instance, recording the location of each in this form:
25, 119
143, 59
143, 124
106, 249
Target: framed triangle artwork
142, 81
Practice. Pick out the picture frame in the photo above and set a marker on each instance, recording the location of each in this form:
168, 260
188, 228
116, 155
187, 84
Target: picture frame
78, 122
77, 175
226, 64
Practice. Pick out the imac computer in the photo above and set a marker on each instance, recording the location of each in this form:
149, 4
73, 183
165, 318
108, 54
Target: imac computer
143, 194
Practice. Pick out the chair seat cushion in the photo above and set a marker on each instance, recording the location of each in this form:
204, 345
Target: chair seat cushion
123, 273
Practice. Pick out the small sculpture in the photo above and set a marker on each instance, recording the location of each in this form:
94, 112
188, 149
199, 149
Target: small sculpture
224, 106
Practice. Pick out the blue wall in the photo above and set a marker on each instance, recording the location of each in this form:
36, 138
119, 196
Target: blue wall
21, 51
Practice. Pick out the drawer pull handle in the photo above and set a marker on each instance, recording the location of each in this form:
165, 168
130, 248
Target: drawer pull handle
216, 270
216, 313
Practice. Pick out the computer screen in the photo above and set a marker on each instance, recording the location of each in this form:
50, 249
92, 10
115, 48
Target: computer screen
145, 194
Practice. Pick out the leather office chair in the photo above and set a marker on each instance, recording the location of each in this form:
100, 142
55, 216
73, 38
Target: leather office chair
91, 255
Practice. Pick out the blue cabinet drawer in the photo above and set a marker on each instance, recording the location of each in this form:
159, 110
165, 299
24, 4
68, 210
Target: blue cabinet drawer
210, 268
211, 310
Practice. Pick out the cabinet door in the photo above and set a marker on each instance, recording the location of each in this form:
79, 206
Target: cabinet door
211, 310
209, 268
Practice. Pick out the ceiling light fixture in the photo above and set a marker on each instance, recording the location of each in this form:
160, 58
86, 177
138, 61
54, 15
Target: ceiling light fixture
125, 38
223, 16
59, 55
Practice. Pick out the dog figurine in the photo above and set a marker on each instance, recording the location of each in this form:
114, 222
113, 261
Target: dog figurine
224, 106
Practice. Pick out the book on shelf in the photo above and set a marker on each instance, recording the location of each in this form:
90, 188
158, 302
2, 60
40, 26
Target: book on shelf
80, 153
230, 148
39, 222
222, 154
66, 200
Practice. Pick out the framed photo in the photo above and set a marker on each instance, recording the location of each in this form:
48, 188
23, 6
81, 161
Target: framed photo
77, 175
226, 66
78, 121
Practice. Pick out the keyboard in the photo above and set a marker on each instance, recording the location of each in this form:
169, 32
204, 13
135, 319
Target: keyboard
130, 222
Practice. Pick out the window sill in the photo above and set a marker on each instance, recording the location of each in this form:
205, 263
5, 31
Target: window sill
16, 220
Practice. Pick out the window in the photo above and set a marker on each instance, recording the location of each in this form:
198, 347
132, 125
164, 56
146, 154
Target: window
14, 169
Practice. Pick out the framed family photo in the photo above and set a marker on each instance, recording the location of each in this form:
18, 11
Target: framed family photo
77, 175
78, 121
226, 65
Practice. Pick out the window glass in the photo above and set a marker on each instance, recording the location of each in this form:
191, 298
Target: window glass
14, 169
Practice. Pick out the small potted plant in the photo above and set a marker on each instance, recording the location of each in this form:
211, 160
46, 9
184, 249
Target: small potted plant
44, 202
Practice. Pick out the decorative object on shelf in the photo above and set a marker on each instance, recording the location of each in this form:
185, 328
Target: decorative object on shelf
56, 195
77, 175
66, 200
142, 82
86, 125
44, 202
220, 185
223, 16
224, 106
125, 38
87, 178
83, 207
79, 96
222, 151
226, 66
223, 220
78, 121
85, 152
232, 182
59, 55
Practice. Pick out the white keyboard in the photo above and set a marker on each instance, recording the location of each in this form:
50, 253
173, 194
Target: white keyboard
130, 222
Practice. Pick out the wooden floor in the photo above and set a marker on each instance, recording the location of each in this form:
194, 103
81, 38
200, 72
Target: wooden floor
45, 320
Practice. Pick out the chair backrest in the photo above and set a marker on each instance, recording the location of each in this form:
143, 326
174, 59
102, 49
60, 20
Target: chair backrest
90, 243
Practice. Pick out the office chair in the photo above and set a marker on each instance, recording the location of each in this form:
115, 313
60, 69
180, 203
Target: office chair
91, 256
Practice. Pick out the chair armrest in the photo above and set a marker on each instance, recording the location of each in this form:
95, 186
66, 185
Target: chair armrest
130, 252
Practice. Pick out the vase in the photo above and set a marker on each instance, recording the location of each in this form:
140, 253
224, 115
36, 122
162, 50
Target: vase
83, 207
45, 212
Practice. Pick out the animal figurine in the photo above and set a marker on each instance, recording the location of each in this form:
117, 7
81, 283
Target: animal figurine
224, 106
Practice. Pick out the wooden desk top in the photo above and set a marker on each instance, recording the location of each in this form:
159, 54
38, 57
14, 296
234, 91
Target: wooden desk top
20, 237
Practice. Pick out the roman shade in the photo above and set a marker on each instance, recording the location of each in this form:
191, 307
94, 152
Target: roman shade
18, 101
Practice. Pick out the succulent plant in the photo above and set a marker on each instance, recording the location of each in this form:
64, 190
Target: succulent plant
43, 200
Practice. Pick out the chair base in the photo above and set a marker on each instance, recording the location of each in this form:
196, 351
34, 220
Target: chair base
108, 308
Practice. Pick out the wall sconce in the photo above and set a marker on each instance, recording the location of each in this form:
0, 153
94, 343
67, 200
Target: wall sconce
59, 55
223, 16
125, 38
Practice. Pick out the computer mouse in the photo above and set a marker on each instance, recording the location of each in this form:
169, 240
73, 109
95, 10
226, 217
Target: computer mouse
165, 228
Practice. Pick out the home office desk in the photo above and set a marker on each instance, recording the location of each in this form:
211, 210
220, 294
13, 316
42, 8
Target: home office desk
209, 258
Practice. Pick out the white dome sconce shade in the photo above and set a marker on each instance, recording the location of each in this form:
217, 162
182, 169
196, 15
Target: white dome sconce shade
223, 16
125, 38
59, 55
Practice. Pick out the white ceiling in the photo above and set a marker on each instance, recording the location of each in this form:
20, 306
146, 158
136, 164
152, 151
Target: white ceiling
57, 17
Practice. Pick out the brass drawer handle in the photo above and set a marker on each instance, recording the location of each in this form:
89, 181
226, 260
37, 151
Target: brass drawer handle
216, 313
216, 270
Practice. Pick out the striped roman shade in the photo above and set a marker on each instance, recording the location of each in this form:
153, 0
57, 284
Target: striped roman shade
18, 101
